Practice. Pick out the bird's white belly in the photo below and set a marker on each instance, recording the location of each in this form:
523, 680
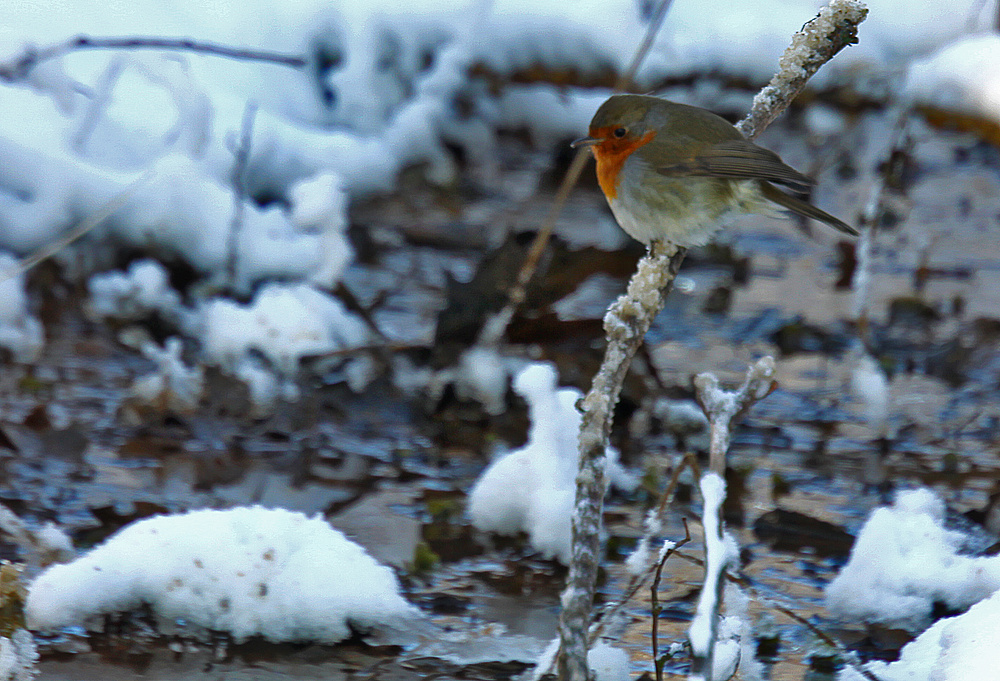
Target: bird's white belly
684, 210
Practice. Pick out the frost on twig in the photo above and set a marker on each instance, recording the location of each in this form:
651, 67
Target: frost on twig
723, 408
833, 29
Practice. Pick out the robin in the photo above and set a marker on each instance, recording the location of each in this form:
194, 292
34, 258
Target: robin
673, 172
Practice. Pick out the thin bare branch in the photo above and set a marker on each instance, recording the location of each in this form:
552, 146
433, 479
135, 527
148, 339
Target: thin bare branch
115, 203
238, 179
654, 590
18, 68
639, 579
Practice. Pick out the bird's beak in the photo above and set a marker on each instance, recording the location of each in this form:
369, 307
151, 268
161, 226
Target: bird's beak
585, 142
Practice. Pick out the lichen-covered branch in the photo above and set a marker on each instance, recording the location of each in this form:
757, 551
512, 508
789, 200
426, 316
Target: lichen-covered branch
833, 29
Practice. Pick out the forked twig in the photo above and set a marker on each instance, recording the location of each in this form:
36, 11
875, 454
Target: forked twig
669, 549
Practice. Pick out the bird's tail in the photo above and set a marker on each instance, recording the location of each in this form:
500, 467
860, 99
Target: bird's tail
772, 193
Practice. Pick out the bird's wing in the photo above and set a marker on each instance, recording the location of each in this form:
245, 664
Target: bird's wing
738, 160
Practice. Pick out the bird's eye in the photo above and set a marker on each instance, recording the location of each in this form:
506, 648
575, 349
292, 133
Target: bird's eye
620, 132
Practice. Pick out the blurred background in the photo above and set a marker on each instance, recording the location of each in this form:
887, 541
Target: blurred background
287, 266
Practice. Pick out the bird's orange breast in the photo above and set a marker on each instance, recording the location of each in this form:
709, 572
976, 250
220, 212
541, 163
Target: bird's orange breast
611, 155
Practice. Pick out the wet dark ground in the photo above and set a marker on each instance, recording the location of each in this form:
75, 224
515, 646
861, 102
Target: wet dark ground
392, 468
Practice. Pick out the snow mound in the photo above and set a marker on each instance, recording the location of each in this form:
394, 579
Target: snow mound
954, 649
248, 571
543, 472
904, 560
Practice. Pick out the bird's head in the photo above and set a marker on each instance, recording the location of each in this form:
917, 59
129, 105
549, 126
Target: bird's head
622, 123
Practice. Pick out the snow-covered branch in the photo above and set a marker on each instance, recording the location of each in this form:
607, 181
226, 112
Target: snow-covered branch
833, 29
720, 551
722, 408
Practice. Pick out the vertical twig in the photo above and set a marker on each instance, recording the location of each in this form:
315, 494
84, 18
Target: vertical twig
625, 324
872, 217
722, 409
704, 630
241, 158
669, 549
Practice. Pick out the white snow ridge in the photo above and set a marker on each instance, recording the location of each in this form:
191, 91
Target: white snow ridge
249, 571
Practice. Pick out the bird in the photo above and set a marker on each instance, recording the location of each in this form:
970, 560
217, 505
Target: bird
679, 173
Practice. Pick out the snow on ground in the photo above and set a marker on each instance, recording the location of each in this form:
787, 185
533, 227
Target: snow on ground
247, 571
606, 662
954, 649
543, 472
904, 561
963, 76
18, 656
